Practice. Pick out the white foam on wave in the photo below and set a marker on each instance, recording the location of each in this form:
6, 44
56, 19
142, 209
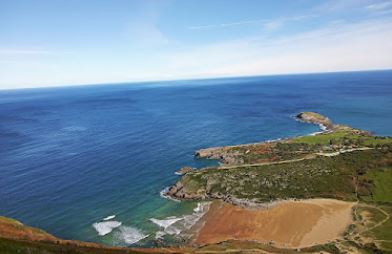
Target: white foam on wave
163, 194
272, 140
316, 133
159, 234
323, 127
109, 217
128, 235
175, 225
167, 225
105, 227
198, 212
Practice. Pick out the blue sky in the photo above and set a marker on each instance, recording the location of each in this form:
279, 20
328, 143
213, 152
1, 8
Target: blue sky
68, 42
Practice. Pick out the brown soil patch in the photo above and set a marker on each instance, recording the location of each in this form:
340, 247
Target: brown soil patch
289, 224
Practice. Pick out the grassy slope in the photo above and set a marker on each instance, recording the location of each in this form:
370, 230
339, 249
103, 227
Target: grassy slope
370, 171
303, 146
382, 182
318, 177
342, 137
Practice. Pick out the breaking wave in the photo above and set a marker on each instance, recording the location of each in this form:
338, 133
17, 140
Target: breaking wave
175, 225
164, 195
167, 225
109, 217
105, 227
128, 235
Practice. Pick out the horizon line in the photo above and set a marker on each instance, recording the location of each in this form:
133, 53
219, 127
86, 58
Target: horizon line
136, 82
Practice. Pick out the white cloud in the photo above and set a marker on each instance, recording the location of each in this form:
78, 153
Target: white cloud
341, 5
30, 51
266, 23
365, 45
381, 6
338, 46
225, 25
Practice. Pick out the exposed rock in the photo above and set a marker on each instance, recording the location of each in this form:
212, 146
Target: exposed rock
224, 154
316, 118
184, 170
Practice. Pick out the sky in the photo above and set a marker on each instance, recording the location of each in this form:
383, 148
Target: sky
73, 42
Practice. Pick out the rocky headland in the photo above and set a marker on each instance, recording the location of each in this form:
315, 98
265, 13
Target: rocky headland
316, 118
339, 163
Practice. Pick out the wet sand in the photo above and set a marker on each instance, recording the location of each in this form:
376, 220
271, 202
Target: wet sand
289, 224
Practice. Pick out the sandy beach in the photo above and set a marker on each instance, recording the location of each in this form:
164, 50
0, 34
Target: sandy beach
289, 224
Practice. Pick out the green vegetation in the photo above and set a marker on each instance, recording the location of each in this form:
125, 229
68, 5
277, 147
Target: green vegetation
373, 227
381, 181
343, 138
324, 138
10, 246
383, 233
9, 220
317, 177
344, 163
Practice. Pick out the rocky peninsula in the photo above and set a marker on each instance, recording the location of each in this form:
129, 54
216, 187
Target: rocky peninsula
338, 163
295, 167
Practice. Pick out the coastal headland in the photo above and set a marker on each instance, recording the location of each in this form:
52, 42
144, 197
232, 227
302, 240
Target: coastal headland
272, 191
328, 192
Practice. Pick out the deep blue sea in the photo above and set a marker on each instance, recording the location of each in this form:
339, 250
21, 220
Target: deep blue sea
71, 157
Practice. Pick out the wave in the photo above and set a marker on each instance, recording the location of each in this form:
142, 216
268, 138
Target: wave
74, 128
163, 194
272, 140
105, 227
316, 133
109, 217
167, 225
198, 212
128, 235
175, 225
159, 234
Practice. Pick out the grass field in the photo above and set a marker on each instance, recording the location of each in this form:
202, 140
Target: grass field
382, 182
317, 177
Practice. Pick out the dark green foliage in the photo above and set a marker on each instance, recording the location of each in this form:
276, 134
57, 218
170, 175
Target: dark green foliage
333, 177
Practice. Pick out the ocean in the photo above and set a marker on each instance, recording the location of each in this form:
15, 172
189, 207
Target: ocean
89, 162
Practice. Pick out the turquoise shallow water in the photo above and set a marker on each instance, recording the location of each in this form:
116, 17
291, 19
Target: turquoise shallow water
71, 157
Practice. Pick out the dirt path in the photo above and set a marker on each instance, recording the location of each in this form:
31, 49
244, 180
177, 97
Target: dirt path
387, 217
308, 157
262, 163
344, 151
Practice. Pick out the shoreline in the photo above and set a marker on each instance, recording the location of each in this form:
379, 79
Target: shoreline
284, 224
